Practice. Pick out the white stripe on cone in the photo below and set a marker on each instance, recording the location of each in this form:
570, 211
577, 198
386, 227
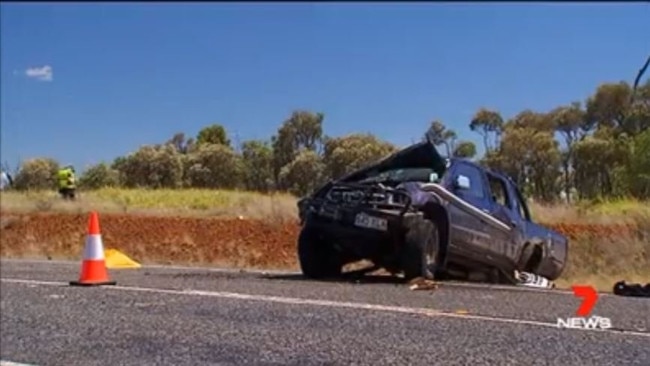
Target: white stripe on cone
94, 249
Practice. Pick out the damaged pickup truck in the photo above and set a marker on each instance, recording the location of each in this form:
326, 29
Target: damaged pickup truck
419, 214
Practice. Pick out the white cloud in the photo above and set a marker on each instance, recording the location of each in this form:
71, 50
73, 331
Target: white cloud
44, 73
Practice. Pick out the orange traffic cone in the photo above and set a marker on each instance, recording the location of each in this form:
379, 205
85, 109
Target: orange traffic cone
93, 267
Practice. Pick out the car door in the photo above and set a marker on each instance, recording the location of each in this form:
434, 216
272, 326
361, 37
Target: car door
503, 210
526, 230
469, 231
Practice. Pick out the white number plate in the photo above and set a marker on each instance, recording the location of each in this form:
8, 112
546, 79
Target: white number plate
370, 222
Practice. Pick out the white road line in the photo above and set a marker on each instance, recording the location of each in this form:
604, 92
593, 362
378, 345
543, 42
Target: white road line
326, 303
10, 363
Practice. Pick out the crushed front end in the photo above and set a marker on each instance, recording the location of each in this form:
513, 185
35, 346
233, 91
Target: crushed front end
365, 221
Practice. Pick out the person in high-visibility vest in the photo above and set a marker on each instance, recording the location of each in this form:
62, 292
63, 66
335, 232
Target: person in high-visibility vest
67, 184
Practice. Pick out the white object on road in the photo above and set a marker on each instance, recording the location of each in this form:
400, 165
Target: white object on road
532, 280
9, 363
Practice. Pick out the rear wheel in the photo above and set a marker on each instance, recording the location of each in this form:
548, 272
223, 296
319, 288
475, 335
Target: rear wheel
317, 258
420, 251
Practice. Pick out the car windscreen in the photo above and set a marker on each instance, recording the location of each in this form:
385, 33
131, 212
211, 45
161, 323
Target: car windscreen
405, 175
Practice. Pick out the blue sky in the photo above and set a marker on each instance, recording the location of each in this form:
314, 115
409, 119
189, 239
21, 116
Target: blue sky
123, 75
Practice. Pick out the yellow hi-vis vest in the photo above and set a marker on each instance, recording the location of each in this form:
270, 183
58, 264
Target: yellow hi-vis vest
66, 178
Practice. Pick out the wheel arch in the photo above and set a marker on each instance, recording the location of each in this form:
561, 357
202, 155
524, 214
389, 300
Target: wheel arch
532, 256
435, 211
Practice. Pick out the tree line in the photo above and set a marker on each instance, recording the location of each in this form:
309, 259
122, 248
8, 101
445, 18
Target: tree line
595, 149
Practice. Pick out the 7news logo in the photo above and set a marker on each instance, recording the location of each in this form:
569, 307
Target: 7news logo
582, 320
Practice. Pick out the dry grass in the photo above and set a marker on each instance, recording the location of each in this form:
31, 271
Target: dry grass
222, 203
602, 261
163, 202
609, 212
599, 259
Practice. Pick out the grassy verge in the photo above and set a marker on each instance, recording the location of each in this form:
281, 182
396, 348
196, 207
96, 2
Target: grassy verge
602, 261
163, 202
203, 202
610, 212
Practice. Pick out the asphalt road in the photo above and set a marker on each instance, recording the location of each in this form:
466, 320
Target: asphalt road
173, 316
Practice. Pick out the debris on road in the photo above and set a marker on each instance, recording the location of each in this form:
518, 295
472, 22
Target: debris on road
532, 280
421, 283
631, 289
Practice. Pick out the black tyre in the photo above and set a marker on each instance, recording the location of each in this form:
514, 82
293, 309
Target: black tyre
526, 255
420, 251
531, 258
317, 258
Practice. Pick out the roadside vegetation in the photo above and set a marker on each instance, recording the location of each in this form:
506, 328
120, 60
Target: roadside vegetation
595, 150
586, 162
158, 202
271, 206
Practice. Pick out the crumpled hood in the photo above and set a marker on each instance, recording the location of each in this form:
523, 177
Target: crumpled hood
421, 155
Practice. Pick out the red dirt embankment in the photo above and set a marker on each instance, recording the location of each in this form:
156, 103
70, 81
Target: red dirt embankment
148, 239
153, 239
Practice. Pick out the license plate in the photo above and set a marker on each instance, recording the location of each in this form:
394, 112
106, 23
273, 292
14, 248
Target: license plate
370, 222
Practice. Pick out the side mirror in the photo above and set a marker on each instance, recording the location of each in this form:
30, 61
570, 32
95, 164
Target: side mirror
462, 182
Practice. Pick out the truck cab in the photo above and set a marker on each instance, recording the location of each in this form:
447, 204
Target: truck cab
498, 227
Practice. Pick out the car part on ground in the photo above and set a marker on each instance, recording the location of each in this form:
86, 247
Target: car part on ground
622, 288
422, 284
532, 280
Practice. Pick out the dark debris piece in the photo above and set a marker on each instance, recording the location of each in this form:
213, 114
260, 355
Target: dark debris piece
631, 289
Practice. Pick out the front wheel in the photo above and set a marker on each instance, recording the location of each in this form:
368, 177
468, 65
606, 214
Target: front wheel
317, 258
420, 251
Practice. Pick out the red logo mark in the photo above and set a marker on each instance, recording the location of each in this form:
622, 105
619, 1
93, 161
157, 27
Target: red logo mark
589, 295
